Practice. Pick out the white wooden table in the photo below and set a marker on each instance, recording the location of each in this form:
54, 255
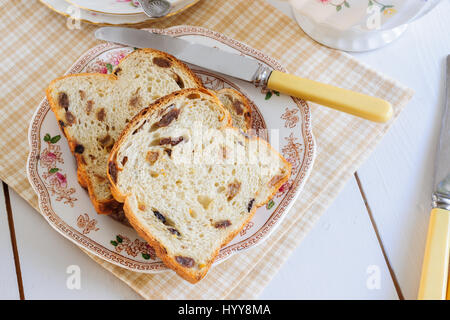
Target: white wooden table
368, 245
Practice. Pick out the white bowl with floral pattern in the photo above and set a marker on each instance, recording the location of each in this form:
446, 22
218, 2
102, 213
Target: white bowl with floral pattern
358, 25
66, 205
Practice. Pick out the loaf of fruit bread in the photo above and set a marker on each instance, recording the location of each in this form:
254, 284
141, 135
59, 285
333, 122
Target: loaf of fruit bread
93, 109
189, 180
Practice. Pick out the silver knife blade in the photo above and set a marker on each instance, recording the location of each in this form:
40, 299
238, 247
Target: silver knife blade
210, 58
441, 191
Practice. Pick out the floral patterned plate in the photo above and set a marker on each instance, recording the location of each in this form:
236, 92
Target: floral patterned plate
76, 13
66, 205
121, 7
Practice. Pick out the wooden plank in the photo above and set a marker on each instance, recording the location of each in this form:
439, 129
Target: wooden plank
337, 258
398, 176
8, 280
45, 256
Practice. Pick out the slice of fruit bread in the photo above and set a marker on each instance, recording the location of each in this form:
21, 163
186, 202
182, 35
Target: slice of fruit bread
189, 180
93, 109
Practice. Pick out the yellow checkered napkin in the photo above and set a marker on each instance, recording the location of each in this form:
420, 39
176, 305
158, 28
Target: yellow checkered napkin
36, 46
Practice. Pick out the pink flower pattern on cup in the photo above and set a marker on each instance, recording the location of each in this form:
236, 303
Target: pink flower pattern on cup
386, 9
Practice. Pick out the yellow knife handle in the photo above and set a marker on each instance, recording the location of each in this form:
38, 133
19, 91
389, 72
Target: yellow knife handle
448, 290
433, 283
358, 104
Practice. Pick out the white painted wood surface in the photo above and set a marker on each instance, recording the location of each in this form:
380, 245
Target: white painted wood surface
45, 256
398, 176
337, 258
8, 279
332, 261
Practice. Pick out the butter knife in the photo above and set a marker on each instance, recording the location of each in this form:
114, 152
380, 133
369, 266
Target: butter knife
435, 269
242, 67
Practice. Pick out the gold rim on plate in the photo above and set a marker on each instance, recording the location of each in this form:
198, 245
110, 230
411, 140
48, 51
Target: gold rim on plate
116, 24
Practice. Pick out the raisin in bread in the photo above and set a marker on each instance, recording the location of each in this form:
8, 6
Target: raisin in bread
93, 109
189, 180
239, 107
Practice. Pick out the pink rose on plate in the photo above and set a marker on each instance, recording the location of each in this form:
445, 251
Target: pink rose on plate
116, 58
48, 159
59, 180
284, 188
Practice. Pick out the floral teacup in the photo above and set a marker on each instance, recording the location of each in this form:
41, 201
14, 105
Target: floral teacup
358, 25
